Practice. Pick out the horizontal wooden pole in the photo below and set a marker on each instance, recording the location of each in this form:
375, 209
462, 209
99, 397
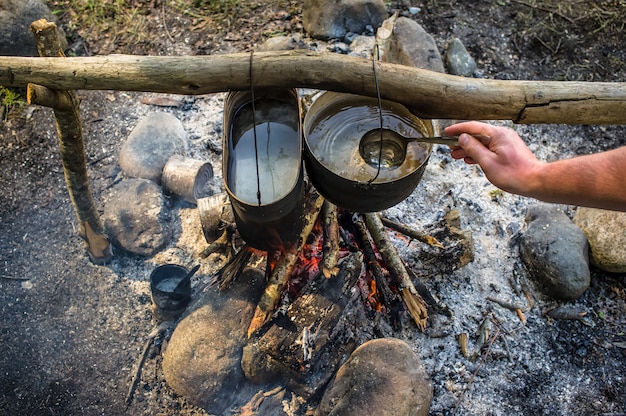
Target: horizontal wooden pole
428, 94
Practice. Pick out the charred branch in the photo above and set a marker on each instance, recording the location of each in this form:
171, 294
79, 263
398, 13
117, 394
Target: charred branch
412, 299
321, 327
278, 280
385, 296
330, 225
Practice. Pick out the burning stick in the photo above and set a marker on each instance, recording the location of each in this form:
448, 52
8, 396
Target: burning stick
271, 296
414, 234
382, 287
331, 240
414, 302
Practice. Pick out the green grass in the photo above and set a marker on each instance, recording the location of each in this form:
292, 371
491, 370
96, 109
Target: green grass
115, 18
11, 100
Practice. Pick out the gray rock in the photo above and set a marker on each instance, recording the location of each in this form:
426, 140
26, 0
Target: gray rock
136, 217
555, 252
458, 59
16, 17
362, 46
279, 43
326, 19
381, 377
411, 45
339, 47
202, 359
149, 146
606, 233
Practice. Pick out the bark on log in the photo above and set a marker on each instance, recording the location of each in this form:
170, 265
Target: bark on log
70, 132
428, 94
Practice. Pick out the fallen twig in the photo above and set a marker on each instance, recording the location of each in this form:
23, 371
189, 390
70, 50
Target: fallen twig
478, 367
4, 276
510, 306
156, 332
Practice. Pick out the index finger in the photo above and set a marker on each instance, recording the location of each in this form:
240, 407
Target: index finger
475, 128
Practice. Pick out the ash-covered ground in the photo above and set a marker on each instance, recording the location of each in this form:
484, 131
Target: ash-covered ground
72, 331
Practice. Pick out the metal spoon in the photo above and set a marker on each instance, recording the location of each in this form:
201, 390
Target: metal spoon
374, 134
179, 287
393, 150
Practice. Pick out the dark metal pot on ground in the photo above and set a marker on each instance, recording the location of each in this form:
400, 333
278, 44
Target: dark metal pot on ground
170, 291
334, 126
263, 172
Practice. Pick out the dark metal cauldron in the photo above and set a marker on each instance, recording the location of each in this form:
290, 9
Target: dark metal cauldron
333, 128
264, 181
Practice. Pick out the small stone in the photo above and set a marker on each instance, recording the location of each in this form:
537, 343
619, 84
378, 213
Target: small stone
202, 360
381, 377
136, 217
279, 43
339, 47
555, 251
458, 59
362, 46
606, 233
149, 146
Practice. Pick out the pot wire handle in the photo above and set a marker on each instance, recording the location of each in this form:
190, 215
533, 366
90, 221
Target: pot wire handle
256, 146
380, 110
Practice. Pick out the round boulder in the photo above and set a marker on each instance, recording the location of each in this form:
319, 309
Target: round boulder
334, 19
150, 145
381, 377
555, 251
411, 45
136, 217
458, 59
202, 361
16, 17
606, 233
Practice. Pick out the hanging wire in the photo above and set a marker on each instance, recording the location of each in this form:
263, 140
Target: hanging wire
256, 146
376, 57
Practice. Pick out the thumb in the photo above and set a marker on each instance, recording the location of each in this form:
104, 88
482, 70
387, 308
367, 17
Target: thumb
474, 148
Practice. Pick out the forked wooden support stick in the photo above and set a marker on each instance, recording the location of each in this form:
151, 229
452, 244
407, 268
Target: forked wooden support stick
70, 132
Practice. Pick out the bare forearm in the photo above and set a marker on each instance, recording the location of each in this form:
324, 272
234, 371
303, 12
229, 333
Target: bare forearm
597, 180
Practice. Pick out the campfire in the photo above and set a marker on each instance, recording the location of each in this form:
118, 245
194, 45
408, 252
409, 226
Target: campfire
343, 284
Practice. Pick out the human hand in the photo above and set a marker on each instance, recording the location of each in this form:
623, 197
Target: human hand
506, 160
